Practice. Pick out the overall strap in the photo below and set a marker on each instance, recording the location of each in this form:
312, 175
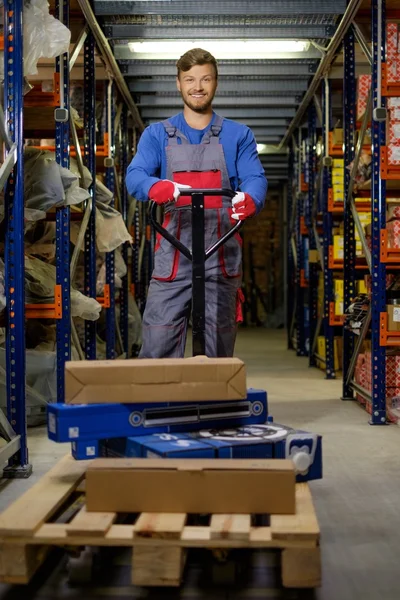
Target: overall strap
173, 134
212, 134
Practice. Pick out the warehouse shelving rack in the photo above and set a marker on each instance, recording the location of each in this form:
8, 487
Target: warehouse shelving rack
13, 427
379, 258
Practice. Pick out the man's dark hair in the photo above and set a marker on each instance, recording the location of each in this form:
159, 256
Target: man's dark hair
197, 56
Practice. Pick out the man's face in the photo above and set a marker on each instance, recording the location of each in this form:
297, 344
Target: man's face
197, 87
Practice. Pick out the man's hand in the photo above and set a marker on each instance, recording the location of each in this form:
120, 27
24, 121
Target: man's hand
243, 206
166, 191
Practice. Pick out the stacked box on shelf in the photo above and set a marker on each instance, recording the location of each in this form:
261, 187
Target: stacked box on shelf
339, 296
337, 175
393, 130
363, 87
392, 377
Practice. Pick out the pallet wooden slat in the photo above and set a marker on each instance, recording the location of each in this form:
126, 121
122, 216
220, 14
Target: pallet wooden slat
231, 527
24, 516
90, 523
302, 525
160, 525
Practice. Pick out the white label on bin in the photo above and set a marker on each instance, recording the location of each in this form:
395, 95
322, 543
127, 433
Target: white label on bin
396, 314
52, 424
73, 432
90, 451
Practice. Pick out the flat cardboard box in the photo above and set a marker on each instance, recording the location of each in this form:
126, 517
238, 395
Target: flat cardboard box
169, 485
155, 380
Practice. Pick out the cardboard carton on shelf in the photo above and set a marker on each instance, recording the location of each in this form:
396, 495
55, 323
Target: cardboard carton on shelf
363, 87
393, 311
337, 137
163, 485
156, 380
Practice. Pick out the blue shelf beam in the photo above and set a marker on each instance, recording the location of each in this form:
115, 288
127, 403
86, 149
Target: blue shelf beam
378, 299
90, 162
110, 256
290, 257
329, 330
313, 266
124, 294
18, 464
349, 122
63, 214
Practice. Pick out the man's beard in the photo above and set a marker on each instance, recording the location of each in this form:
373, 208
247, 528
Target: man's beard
202, 108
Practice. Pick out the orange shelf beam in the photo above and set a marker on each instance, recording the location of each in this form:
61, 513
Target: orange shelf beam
387, 338
338, 207
105, 300
333, 318
334, 149
303, 227
389, 89
45, 311
303, 184
40, 99
303, 280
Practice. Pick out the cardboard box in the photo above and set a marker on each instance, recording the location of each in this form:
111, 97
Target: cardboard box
393, 154
239, 486
337, 137
391, 51
338, 247
363, 87
156, 380
393, 318
393, 233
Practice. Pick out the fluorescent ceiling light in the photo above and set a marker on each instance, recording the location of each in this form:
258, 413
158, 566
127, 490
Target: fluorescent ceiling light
233, 49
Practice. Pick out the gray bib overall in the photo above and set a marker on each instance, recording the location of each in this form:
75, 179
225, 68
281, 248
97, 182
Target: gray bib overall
169, 297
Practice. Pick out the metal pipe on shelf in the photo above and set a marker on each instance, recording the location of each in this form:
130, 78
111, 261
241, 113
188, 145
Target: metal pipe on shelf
323, 67
110, 61
362, 41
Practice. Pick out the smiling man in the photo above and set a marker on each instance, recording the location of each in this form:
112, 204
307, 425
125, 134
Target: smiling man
196, 148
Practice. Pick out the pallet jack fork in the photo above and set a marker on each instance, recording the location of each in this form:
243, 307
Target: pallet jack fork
198, 256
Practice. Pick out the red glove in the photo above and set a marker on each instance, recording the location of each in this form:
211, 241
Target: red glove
165, 191
243, 206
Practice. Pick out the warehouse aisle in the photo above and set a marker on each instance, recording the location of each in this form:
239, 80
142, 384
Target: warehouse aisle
357, 501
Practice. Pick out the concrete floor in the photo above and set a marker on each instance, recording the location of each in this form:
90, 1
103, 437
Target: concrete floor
357, 501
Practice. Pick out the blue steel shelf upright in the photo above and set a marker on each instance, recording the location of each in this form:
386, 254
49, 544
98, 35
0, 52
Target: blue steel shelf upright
329, 330
349, 258
301, 323
123, 298
90, 162
110, 256
313, 266
290, 256
62, 117
15, 425
378, 298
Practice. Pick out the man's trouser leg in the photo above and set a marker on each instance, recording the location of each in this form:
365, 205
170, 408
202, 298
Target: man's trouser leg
221, 315
165, 318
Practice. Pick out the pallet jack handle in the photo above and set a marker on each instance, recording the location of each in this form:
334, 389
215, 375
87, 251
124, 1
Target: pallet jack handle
197, 197
197, 256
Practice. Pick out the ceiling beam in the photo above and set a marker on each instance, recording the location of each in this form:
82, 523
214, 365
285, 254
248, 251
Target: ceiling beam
128, 31
228, 7
262, 86
237, 113
235, 68
256, 101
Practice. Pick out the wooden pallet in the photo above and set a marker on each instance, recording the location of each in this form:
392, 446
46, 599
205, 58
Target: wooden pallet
52, 513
